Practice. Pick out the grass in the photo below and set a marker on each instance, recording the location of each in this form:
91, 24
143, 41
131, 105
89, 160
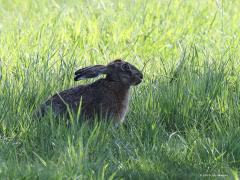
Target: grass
183, 120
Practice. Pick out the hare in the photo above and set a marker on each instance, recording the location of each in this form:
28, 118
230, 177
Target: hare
107, 97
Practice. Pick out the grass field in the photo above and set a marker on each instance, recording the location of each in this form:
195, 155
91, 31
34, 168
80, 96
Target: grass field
184, 119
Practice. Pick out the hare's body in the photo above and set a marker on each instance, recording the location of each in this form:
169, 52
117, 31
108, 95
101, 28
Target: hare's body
105, 98
91, 99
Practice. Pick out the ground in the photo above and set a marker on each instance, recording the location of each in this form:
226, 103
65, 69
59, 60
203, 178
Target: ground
184, 119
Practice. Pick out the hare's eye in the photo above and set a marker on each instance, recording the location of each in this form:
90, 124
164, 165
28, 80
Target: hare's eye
125, 67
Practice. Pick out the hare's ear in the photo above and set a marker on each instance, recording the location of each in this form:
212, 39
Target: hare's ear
90, 72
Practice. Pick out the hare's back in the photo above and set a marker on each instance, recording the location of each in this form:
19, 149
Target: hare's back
68, 98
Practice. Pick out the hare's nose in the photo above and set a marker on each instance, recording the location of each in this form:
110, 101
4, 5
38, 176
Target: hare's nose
140, 75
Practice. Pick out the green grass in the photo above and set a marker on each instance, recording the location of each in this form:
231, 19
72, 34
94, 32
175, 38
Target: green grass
188, 128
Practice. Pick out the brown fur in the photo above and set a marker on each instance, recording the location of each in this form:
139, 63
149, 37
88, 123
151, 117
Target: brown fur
106, 98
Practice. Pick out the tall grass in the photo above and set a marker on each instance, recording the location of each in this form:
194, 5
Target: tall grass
183, 120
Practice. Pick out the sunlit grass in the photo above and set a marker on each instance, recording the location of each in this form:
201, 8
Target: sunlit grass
183, 120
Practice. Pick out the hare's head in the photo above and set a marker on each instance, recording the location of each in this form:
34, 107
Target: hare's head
118, 71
